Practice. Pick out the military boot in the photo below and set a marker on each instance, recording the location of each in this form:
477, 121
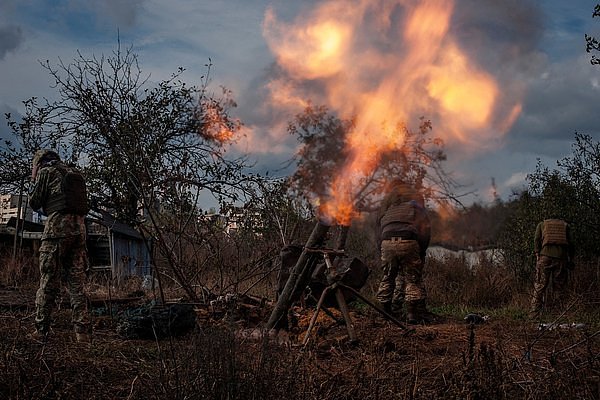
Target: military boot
412, 312
427, 317
397, 308
386, 306
418, 313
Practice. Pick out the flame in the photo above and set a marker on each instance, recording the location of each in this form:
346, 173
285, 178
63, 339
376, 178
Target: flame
384, 63
462, 91
312, 51
215, 124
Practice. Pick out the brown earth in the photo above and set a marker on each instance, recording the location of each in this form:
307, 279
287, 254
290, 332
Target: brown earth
225, 357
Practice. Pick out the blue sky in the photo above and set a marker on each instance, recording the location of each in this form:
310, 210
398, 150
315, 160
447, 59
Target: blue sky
536, 45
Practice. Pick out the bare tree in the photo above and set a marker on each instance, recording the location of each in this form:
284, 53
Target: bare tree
418, 159
148, 149
592, 43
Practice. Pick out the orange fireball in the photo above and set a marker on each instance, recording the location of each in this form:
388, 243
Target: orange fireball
384, 64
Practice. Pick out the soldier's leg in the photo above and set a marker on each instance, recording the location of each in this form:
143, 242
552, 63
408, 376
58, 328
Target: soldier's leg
399, 291
387, 284
540, 284
560, 277
416, 295
75, 265
49, 284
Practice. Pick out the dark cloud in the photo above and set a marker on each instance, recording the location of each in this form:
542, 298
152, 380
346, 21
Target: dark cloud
496, 30
563, 101
11, 37
123, 13
535, 50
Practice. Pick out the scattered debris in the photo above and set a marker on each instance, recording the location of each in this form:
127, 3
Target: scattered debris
256, 334
224, 301
148, 282
476, 319
553, 326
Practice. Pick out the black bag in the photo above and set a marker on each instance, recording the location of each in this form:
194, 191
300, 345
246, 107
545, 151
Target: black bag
150, 321
72, 198
75, 192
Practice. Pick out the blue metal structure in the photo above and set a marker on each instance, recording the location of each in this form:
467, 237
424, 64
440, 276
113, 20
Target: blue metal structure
116, 246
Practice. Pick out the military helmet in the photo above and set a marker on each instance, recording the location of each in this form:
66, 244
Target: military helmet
44, 155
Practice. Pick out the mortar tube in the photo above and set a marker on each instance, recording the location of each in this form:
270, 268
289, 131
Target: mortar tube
284, 301
340, 242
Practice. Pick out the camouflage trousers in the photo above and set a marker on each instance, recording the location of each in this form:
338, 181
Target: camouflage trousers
550, 272
402, 272
63, 259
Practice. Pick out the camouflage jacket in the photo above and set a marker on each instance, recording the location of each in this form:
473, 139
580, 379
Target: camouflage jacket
58, 225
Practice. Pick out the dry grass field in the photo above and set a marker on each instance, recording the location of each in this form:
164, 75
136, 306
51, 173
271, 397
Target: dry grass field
226, 356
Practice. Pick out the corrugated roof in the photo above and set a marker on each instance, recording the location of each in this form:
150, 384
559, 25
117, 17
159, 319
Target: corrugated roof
99, 216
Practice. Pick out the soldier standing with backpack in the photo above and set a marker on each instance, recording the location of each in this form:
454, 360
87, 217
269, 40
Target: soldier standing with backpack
59, 193
404, 230
554, 253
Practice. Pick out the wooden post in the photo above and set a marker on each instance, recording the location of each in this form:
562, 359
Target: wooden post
18, 223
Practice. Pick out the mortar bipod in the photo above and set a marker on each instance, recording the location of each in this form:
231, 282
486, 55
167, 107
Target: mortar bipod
333, 284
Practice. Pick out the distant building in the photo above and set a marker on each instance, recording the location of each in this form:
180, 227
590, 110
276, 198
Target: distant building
471, 257
213, 219
28, 240
242, 218
9, 207
234, 219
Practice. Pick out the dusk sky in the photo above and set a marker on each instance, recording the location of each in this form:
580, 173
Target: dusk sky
519, 67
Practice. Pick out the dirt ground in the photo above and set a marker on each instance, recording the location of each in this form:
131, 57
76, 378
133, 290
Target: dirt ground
226, 356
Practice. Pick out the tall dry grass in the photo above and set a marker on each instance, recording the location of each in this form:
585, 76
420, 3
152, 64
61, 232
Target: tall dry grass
20, 271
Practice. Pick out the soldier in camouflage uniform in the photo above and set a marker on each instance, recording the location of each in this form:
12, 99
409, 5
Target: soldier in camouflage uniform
63, 253
404, 232
554, 251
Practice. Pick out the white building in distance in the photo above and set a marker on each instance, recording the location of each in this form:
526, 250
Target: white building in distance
9, 207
